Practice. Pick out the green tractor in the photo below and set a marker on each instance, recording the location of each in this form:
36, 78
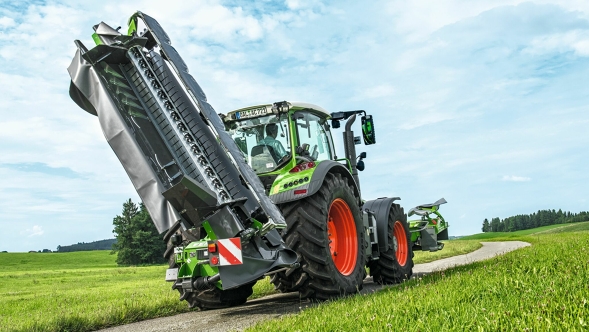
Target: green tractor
333, 231
256, 192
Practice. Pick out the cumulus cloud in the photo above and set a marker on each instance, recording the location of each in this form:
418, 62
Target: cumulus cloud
35, 231
6, 22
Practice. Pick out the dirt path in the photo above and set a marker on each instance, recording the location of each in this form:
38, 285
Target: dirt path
273, 306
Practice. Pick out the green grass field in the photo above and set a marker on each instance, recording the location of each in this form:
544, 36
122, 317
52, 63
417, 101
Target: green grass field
576, 227
540, 230
81, 291
544, 287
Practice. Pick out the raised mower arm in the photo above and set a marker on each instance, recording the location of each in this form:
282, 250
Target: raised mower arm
173, 146
426, 232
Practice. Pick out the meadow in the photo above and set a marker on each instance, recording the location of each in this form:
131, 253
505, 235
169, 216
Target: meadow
83, 291
543, 287
534, 231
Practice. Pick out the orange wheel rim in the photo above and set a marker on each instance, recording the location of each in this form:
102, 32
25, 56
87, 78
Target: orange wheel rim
400, 243
343, 240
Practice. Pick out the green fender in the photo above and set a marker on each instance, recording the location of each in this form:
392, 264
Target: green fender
321, 170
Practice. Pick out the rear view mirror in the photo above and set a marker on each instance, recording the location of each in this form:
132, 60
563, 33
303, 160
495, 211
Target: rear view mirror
368, 130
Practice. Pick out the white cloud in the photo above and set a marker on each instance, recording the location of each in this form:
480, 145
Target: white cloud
576, 41
6, 22
514, 178
293, 4
35, 231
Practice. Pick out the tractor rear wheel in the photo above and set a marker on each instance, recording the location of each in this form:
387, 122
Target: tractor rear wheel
212, 298
396, 264
327, 233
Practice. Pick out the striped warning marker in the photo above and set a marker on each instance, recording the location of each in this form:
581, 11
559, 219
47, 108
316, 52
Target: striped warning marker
230, 251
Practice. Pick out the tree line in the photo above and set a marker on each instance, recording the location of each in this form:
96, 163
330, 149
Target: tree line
81, 246
537, 219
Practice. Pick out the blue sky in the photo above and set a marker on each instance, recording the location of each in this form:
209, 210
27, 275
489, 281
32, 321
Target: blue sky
484, 103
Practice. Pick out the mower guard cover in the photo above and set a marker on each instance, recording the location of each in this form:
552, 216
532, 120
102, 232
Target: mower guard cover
171, 142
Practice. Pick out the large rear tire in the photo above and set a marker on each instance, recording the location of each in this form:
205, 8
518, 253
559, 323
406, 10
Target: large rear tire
213, 298
327, 233
396, 264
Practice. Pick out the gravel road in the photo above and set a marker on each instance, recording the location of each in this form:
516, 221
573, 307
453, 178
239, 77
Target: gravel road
273, 306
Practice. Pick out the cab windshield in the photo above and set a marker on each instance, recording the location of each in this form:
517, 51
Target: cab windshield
264, 141
313, 132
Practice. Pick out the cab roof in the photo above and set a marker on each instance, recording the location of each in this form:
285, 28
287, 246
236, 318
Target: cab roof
294, 105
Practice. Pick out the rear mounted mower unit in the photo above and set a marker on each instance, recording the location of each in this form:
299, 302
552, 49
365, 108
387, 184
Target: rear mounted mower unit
427, 232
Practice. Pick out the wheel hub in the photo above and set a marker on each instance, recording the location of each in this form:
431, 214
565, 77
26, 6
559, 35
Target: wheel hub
400, 243
395, 243
342, 237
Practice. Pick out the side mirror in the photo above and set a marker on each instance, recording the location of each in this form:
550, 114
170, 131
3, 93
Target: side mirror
335, 124
368, 130
360, 162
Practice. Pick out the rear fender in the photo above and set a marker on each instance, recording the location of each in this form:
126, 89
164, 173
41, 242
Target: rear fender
381, 207
321, 170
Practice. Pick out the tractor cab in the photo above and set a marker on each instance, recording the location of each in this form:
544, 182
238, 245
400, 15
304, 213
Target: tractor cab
280, 136
285, 142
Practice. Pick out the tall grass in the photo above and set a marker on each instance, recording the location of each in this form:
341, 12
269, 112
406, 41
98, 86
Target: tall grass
544, 287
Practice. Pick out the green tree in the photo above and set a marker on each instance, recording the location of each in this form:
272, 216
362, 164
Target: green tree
495, 225
486, 226
138, 241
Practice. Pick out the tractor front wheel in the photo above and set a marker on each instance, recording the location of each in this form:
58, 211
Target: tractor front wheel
326, 232
396, 264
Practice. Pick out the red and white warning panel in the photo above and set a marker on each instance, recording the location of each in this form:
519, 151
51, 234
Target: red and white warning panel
225, 252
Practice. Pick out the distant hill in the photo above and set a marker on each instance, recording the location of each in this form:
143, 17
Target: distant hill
81, 246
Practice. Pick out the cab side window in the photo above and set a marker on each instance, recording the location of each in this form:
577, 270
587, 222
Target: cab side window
311, 131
